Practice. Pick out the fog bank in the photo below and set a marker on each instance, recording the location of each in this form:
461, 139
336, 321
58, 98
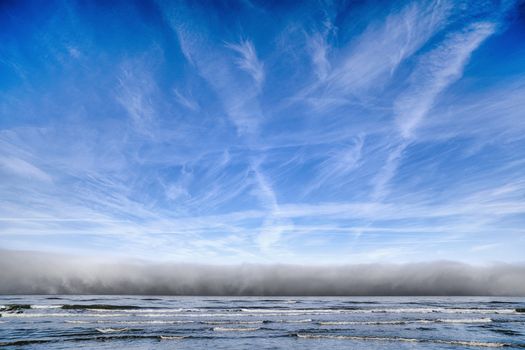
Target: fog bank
43, 273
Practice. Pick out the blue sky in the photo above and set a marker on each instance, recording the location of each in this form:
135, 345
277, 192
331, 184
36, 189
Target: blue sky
264, 132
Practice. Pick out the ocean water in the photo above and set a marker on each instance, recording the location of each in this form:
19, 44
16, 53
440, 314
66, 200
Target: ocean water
151, 322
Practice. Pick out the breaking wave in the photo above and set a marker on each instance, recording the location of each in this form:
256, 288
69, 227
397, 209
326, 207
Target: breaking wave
396, 339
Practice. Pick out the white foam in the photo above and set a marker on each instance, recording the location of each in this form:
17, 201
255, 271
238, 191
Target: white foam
410, 340
111, 330
131, 322
394, 322
231, 322
148, 311
306, 320
340, 323
229, 329
466, 320
383, 310
148, 322
171, 337
28, 315
46, 306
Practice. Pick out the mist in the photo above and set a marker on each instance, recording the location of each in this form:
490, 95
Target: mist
23, 272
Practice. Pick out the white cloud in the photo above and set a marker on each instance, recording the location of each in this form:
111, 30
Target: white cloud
248, 60
23, 168
435, 72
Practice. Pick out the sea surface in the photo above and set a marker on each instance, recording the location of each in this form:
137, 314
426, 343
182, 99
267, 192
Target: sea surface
151, 322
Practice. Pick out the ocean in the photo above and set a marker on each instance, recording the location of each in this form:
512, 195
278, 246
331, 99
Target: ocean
174, 322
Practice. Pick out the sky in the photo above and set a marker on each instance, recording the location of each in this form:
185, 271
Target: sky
227, 132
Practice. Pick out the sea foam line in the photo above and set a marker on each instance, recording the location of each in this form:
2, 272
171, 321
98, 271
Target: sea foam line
231, 322
111, 330
410, 340
172, 337
229, 329
129, 322
385, 310
395, 322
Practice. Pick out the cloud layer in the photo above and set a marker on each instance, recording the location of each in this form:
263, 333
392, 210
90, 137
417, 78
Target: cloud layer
264, 132
41, 273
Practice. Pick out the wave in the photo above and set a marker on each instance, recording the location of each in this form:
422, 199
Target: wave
228, 329
112, 330
24, 342
306, 320
506, 331
467, 320
232, 322
397, 339
130, 322
500, 302
46, 306
172, 337
125, 310
147, 310
402, 322
254, 313
343, 323
103, 337
149, 322
438, 310
383, 310
15, 307
99, 307
37, 315
154, 315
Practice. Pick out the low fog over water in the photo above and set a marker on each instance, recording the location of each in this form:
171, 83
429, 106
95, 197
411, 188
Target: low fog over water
44, 273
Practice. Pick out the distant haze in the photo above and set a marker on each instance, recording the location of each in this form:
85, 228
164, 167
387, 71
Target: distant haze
44, 273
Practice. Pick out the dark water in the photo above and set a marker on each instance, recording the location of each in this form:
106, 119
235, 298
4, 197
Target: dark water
135, 322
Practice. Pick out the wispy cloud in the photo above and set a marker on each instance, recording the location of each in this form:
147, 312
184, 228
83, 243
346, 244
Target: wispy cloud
436, 71
186, 101
339, 132
248, 60
25, 169
319, 51
133, 94
372, 57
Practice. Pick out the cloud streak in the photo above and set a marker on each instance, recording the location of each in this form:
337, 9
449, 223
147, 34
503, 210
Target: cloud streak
248, 60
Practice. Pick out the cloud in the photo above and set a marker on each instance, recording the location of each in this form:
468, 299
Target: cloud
196, 136
338, 165
185, 101
248, 60
41, 273
435, 72
238, 98
134, 90
371, 58
271, 229
319, 50
25, 169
